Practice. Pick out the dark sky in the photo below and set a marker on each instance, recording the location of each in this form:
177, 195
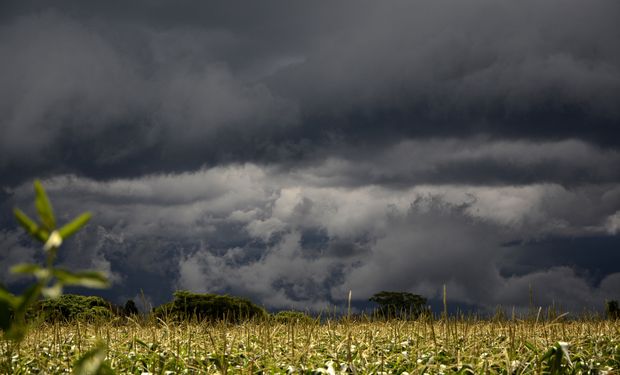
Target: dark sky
290, 152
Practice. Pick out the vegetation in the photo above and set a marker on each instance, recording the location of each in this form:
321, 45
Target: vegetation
464, 345
399, 304
612, 310
294, 317
69, 307
130, 308
50, 281
213, 307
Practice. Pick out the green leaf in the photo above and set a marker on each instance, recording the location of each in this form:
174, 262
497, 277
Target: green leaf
25, 221
93, 362
44, 207
531, 346
30, 269
8, 297
27, 298
548, 354
89, 279
18, 329
16, 332
31, 227
77, 223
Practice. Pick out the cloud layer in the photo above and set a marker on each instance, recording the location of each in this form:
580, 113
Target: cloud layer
109, 92
287, 242
345, 146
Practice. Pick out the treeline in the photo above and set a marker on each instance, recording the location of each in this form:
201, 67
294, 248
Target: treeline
185, 306
188, 306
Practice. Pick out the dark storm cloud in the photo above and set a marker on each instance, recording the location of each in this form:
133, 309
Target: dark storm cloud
291, 152
124, 90
469, 161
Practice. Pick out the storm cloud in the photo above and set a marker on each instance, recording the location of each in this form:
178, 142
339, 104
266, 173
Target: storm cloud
292, 152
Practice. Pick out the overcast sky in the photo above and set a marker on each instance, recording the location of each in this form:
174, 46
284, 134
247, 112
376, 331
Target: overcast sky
290, 152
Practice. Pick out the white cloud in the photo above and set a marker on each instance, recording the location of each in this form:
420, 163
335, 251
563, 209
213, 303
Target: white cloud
286, 242
612, 223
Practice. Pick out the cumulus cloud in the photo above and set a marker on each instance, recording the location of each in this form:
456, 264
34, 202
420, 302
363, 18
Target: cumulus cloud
291, 159
286, 242
612, 223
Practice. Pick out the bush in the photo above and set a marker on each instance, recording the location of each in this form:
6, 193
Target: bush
187, 305
612, 310
293, 317
401, 305
72, 306
130, 308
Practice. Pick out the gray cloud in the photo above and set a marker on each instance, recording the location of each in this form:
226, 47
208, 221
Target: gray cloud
287, 242
15, 251
229, 148
110, 92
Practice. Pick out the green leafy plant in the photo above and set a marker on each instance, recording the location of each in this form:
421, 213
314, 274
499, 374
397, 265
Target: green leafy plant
50, 280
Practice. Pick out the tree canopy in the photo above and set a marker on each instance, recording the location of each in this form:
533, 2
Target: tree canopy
188, 305
612, 310
72, 306
399, 304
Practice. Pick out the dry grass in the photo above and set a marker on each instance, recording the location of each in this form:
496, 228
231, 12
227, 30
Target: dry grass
423, 346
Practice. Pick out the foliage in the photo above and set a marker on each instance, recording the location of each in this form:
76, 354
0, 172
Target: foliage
72, 306
399, 304
50, 280
130, 308
465, 345
293, 317
94, 362
187, 305
612, 310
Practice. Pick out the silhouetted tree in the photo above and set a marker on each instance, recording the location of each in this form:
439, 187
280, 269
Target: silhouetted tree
612, 309
187, 305
130, 308
399, 304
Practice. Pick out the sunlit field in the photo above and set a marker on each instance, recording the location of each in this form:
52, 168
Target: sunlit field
464, 345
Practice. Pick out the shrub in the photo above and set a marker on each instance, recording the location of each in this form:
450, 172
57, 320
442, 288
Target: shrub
293, 317
130, 308
72, 306
187, 305
612, 310
399, 304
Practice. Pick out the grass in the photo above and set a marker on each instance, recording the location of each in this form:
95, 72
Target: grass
465, 345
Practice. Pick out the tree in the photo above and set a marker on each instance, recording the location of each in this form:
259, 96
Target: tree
187, 306
69, 307
130, 308
612, 309
399, 304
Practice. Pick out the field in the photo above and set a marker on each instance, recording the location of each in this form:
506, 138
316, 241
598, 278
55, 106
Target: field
465, 346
